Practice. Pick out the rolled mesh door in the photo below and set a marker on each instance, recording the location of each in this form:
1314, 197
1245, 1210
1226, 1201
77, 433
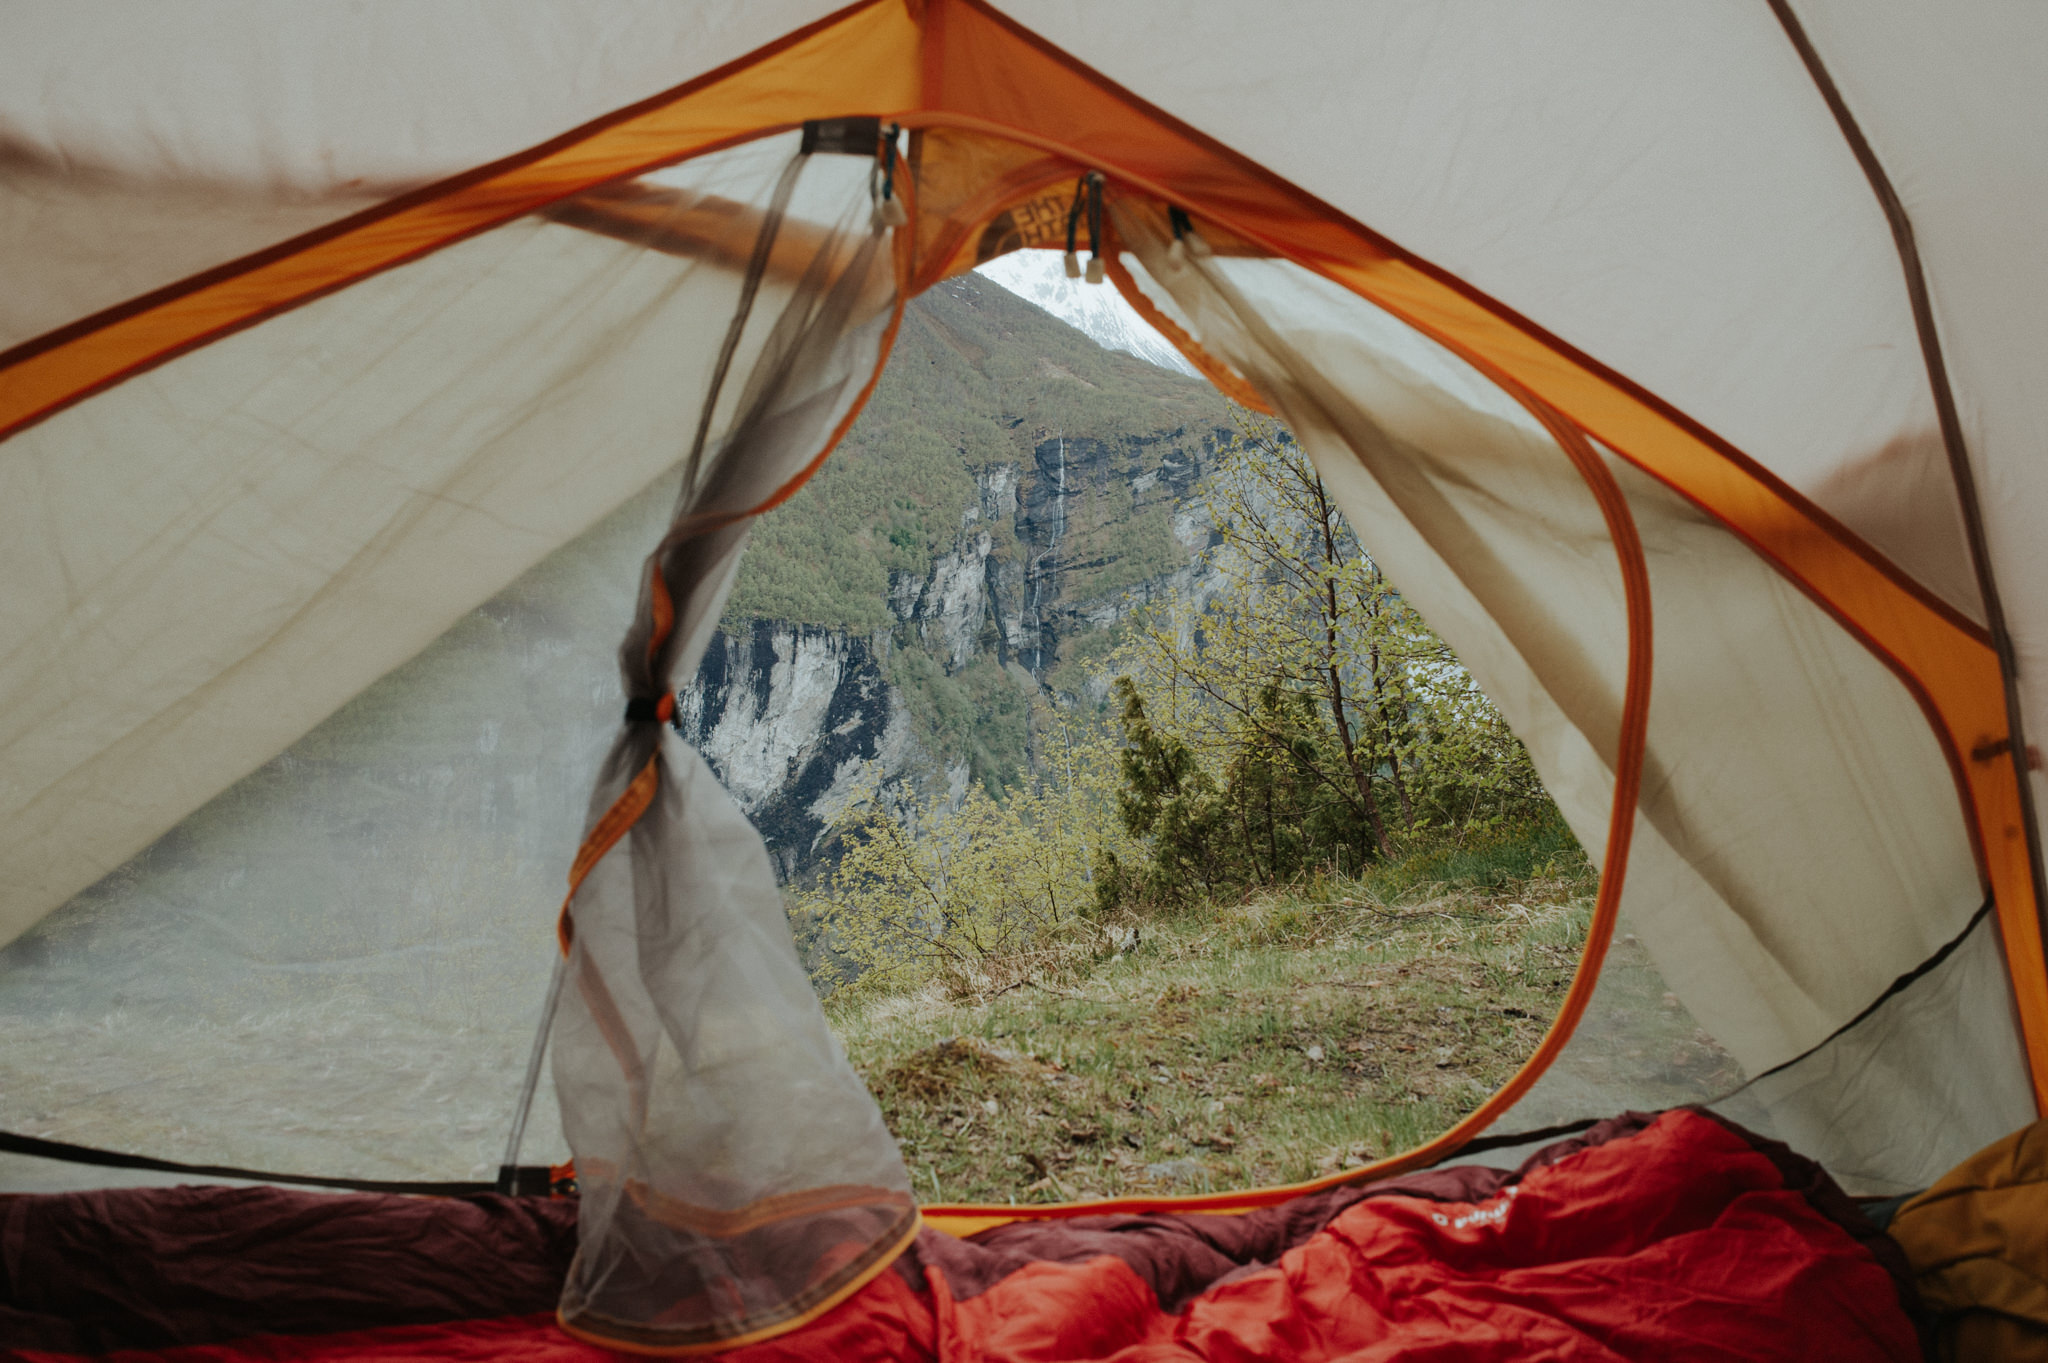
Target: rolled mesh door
737, 1177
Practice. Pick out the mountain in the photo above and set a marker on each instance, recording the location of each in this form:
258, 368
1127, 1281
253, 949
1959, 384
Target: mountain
1012, 488
1097, 311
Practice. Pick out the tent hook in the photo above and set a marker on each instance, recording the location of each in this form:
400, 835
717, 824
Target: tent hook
889, 210
1088, 198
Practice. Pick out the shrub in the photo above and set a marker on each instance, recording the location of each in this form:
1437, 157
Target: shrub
977, 897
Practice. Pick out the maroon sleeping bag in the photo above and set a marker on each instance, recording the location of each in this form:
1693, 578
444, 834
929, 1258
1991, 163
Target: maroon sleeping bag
1674, 1237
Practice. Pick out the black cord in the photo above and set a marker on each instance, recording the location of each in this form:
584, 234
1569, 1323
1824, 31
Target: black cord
1947, 950
1094, 184
110, 1159
1074, 212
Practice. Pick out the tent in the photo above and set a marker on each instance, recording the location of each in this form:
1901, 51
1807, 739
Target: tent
1676, 364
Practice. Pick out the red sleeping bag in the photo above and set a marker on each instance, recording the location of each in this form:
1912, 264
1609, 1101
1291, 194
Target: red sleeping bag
1669, 1238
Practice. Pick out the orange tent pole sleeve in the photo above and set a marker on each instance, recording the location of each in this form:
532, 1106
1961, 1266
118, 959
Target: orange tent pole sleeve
863, 59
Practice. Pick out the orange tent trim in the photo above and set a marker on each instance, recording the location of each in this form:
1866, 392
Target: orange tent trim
861, 56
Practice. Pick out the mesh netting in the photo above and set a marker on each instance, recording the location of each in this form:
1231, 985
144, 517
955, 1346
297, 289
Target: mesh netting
735, 1171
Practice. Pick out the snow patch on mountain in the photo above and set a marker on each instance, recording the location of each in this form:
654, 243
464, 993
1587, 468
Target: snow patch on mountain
1040, 277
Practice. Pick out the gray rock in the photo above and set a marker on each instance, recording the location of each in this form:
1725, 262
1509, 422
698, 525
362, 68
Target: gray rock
1177, 1171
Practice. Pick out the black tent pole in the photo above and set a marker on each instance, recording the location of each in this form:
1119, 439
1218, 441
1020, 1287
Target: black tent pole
509, 1180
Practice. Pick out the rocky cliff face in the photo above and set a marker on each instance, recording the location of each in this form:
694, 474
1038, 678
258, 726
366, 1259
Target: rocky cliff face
965, 588
1022, 488
798, 722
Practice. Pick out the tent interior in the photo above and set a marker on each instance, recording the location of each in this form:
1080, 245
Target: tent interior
349, 425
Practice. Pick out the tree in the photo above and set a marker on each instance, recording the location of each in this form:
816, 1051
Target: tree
1271, 728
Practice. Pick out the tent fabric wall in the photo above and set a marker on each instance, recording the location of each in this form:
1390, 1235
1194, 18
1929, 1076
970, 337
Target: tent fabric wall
1950, 105
336, 966
417, 441
1896, 1096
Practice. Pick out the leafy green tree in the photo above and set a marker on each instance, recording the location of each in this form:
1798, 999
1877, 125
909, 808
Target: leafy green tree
1304, 716
1168, 798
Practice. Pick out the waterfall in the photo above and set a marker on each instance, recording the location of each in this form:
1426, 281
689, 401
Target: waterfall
1039, 570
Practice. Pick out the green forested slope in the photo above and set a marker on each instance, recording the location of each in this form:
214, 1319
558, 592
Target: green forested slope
979, 378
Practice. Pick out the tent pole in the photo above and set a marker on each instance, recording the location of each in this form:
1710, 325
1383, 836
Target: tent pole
508, 1169
1950, 419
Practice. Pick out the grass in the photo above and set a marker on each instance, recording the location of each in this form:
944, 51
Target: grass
1269, 1041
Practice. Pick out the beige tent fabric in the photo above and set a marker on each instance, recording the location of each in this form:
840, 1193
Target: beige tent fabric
735, 1172
1950, 99
1933, 1070
1800, 843
205, 561
1947, 1040
144, 142
1661, 187
337, 966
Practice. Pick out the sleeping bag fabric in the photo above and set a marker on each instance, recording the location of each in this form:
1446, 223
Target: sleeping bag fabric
1670, 1238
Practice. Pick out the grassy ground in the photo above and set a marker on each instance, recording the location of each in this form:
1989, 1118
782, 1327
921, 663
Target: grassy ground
1259, 1043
